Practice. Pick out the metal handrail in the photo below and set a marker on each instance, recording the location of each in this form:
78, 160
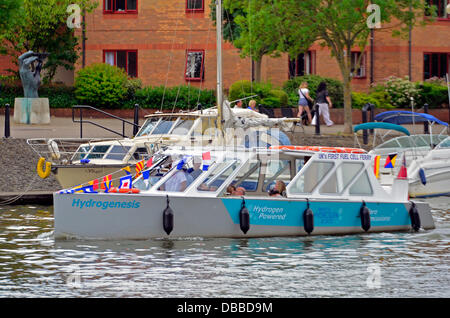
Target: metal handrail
135, 125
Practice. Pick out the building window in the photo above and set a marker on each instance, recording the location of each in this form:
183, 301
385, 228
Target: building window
195, 65
304, 64
124, 59
120, 6
436, 65
195, 5
440, 8
358, 65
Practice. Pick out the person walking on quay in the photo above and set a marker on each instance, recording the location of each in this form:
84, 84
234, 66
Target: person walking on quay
324, 101
303, 102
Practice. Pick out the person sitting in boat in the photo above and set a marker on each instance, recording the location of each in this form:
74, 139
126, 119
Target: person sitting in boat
177, 182
279, 190
238, 104
231, 189
239, 191
252, 105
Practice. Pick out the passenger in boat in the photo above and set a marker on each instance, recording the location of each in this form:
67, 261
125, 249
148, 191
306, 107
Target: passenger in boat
324, 101
177, 182
303, 104
231, 189
252, 105
239, 191
238, 104
279, 190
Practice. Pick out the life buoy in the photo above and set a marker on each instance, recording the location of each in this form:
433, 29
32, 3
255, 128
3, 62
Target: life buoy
364, 213
414, 216
308, 219
244, 218
40, 168
54, 150
321, 149
168, 218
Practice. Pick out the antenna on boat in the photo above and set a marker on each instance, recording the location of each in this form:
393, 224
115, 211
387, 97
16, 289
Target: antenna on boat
219, 64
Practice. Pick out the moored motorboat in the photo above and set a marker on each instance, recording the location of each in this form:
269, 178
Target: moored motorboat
326, 193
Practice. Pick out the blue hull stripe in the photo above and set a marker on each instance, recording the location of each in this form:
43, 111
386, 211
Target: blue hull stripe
326, 214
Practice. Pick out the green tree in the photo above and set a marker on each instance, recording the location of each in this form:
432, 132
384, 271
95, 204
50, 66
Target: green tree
342, 25
252, 27
9, 10
41, 26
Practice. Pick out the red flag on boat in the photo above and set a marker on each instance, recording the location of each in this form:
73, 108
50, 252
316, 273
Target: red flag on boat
107, 182
403, 174
94, 184
206, 156
139, 167
149, 162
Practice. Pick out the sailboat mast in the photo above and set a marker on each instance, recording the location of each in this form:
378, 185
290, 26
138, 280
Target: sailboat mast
219, 64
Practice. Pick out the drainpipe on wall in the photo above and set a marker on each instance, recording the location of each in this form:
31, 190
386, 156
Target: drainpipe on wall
372, 58
83, 39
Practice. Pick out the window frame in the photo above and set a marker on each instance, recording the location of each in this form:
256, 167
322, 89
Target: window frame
430, 64
126, 63
113, 11
362, 66
202, 68
312, 64
202, 9
439, 6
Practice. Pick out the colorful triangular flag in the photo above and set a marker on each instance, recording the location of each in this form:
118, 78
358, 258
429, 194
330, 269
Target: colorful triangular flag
390, 160
127, 169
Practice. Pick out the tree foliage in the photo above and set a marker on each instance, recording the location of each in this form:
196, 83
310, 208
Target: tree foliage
41, 26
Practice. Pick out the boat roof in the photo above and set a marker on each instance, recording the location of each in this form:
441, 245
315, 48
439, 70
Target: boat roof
382, 125
193, 115
402, 117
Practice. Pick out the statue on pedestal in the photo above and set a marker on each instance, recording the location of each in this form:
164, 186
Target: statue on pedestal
30, 66
31, 109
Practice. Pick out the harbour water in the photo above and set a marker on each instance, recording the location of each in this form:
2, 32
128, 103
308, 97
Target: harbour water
405, 264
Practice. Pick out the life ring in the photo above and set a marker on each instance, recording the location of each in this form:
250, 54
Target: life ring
321, 149
40, 168
53, 148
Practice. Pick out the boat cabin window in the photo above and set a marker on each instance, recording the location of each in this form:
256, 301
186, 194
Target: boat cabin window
149, 177
164, 126
248, 176
420, 141
444, 144
438, 139
117, 152
98, 152
182, 127
277, 170
310, 177
341, 178
405, 142
362, 186
390, 144
148, 126
140, 153
218, 174
81, 153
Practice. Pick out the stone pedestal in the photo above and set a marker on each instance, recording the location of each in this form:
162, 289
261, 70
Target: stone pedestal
31, 111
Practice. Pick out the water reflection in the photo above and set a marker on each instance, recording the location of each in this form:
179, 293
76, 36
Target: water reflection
408, 264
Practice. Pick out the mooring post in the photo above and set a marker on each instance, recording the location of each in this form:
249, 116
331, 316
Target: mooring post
7, 126
136, 119
317, 119
425, 123
364, 120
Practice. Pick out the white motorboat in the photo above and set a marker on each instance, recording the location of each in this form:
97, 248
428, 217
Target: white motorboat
326, 193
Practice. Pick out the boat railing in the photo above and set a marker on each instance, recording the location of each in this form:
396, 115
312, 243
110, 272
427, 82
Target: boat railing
134, 124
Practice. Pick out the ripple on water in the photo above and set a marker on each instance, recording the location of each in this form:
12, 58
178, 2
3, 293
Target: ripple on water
32, 264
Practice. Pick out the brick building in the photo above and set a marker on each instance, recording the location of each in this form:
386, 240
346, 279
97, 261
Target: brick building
173, 42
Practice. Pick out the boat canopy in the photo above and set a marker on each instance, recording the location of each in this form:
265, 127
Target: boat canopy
383, 125
402, 117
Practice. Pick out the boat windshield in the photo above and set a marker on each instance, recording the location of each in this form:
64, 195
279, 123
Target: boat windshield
149, 177
117, 152
218, 174
164, 125
182, 127
181, 176
148, 126
444, 144
81, 153
98, 152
